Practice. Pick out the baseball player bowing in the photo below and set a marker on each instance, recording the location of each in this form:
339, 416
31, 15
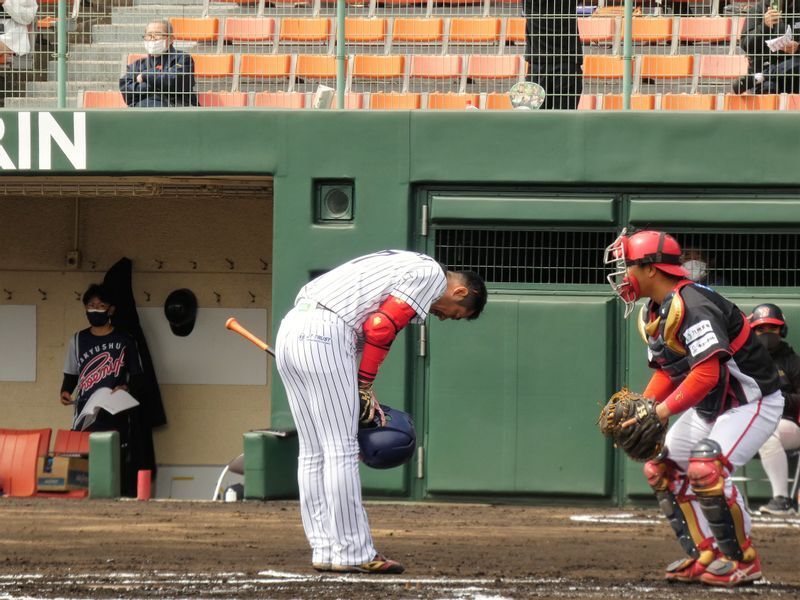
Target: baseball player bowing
328, 350
710, 369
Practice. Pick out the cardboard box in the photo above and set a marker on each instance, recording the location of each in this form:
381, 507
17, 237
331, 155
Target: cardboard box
62, 473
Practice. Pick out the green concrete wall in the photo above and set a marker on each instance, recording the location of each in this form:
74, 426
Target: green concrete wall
703, 169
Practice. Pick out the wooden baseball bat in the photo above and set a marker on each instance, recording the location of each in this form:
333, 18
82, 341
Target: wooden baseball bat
234, 325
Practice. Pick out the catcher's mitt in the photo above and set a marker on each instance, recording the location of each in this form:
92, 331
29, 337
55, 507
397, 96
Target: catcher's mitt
643, 439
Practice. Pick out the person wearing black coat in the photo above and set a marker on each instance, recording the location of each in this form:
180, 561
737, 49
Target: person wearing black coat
165, 77
771, 72
553, 51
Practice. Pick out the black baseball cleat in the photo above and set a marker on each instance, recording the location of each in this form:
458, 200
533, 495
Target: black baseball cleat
779, 505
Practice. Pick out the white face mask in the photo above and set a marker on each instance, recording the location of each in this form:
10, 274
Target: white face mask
697, 269
155, 47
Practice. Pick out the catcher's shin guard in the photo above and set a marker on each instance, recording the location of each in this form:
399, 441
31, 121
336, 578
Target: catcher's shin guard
707, 473
677, 509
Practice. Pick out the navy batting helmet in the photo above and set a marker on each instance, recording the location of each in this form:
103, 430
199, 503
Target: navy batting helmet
769, 314
388, 446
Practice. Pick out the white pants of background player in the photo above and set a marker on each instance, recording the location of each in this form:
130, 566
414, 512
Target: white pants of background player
773, 455
316, 358
740, 432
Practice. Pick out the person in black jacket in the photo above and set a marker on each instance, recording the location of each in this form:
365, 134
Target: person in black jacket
165, 77
553, 51
771, 72
770, 327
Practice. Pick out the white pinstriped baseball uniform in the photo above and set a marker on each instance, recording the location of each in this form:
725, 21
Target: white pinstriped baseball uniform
317, 349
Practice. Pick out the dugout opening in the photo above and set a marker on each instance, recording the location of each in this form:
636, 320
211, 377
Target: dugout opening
211, 234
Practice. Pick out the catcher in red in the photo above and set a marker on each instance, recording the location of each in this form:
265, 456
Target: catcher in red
709, 369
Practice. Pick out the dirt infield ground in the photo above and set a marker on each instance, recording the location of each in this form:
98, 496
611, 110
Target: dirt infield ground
129, 549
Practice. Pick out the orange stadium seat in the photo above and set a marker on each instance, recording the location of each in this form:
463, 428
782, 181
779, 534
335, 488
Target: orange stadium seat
448, 101
638, 102
487, 67
19, 452
385, 68
596, 66
195, 30
71, 443
716, 66
352, 101
279, 99
792, 102
222, 99
515, 30
650, 30
265, 66
591, 30
587, 102
418, 31
394, 101
666, 67
249, 29
688, 102
704, 29
313, 67
747, 102
305, 29
213, 65
44, 440
435, 66
134, 56
496, 101
103, 99
365, 31
477, 30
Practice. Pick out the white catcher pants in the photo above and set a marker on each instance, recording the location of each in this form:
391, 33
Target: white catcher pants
316, 358
740, 432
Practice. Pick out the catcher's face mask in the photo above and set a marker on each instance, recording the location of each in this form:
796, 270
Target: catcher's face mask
625, 286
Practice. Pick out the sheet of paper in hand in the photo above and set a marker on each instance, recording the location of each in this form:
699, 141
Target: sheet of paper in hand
103, 399
779, 43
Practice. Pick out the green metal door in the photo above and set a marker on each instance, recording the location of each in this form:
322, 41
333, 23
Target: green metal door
505, 409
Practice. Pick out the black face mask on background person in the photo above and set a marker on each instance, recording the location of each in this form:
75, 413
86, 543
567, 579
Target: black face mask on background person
97, 318
769, 340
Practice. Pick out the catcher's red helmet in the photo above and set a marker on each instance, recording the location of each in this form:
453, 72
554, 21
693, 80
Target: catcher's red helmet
641, 248
654, 248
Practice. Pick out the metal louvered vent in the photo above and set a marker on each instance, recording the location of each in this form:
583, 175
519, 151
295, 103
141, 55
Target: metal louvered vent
523, 256
743, 259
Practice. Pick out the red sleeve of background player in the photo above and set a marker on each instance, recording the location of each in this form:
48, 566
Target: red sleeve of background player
660, 386
700, 381
380, 329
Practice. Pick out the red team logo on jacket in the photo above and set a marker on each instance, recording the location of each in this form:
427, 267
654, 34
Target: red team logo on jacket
100, 367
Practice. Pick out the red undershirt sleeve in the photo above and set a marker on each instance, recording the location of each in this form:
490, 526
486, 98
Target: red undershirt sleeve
659, 387
700, 381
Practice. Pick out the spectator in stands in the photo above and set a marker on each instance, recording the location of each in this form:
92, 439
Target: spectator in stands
165, 77
769, 325
15, 17
771, 72
553, 50
701, 268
